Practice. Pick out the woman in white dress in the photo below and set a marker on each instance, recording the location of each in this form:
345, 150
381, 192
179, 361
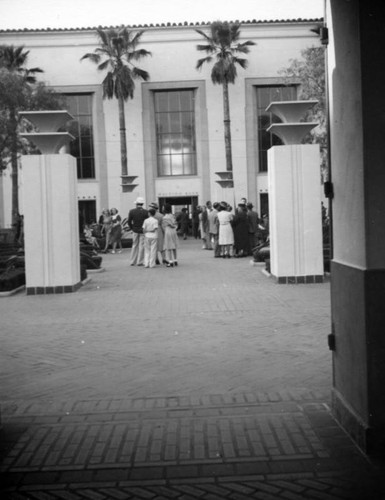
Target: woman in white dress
226, 235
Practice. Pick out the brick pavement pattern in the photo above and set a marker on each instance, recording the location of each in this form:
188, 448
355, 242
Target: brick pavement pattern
206, 381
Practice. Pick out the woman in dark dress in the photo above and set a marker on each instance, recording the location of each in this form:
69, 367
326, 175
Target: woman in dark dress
116, 231
106, 221
240, 225
170, 241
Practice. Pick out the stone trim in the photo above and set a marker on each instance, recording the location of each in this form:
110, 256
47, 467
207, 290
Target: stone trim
298, 280
49, 290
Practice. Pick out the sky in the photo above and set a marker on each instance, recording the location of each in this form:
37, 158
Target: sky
37, 14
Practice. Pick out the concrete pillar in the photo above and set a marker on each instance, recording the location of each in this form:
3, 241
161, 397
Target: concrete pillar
51, 227
356, 79
295, 214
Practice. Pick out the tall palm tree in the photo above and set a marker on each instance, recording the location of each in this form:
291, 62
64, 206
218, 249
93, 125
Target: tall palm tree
13, 60
117, 52
223, 46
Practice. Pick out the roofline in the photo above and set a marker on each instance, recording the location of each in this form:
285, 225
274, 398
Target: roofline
185, 24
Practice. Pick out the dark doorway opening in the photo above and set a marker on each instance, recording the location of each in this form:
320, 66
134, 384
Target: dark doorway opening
264, 204
87, 213
179, 202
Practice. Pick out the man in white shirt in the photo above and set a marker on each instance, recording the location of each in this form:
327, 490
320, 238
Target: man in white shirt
212, 217
150, 231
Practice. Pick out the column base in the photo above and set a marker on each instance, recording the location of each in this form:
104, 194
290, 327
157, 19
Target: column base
368, 439
297, 280
48, 290
358, 325
349, 420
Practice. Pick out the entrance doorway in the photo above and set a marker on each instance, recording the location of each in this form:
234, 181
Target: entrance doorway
87, 213
179, 202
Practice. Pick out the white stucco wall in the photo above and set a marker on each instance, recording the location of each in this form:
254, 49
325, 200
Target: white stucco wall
174, 58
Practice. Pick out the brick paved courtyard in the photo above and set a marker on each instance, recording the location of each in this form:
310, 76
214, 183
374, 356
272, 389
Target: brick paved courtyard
203, 381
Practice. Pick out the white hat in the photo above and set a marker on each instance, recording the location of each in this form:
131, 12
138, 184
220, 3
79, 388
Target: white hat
139, 201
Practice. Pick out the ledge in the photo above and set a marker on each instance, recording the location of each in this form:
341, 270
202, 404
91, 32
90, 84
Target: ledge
292, 133
128, 188
49, 142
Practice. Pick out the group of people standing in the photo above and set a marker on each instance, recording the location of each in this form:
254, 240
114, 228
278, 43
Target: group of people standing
107, 233
228, 234
155, 234
155, 238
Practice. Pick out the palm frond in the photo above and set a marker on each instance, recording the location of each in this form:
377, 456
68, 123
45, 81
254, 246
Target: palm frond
218, 73
249, 42
231, 73
108, 86
34, 70
200, 62
221, 31
30, 79
104, 65
244, 47
136, 38
140, 73
92, 56
13, 58
124, 84
210, 48
125, 34
205, 35
103, 36
139, 54
235, 32
241, 61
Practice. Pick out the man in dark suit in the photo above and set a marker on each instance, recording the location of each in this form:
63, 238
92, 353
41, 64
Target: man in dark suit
135, 220
253, 220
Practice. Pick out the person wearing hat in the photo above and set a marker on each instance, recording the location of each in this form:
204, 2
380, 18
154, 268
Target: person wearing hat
136, 217
150, 231
159, 217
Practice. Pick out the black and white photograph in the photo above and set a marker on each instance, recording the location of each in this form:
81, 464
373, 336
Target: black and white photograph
192, 250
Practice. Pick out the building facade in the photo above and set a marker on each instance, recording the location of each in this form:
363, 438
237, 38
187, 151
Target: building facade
174, 123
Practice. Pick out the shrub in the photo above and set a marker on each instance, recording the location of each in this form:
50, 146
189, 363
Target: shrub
12, 279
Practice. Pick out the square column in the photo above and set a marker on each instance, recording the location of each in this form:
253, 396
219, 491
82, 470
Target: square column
296, 249
356, 80
52, 257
